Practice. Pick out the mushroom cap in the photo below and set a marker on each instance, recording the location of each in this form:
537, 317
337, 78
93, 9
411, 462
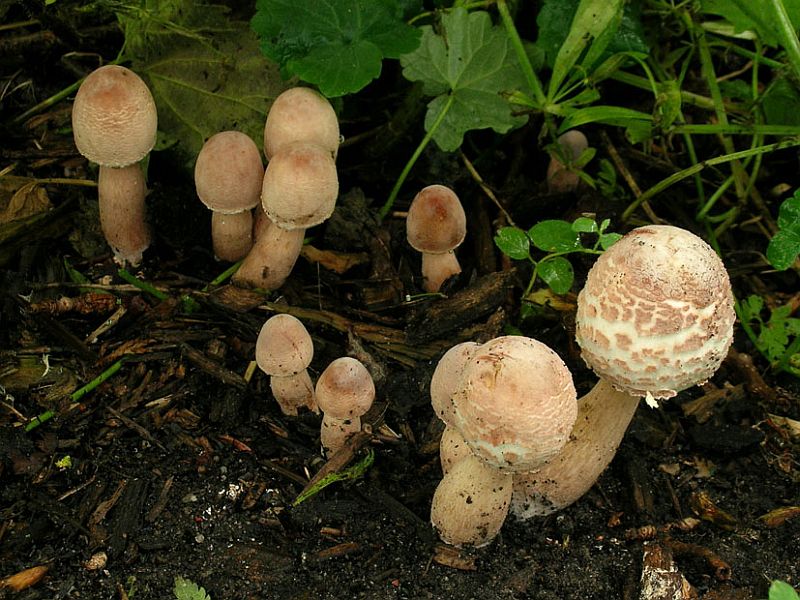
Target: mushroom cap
446, 377
300, 186
656, 315
228, 173
436, 222
471, 503
114, 117
515, 404
345, 389
301, 114
284, 346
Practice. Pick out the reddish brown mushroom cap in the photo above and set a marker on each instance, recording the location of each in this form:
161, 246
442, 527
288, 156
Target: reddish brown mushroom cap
656, 315
228, 173
301, 115
300, 186
114, 117
284, 346
515, 404
436, 222
345, 389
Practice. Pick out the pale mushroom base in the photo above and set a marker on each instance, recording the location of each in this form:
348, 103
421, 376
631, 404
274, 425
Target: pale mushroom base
334, 432
294, 392
271, 259
121, 193
232, 234
438, 268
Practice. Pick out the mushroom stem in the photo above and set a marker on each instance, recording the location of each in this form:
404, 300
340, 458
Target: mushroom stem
272, 257
603, 417
438, 268
121, 193
294, 391
335, 431
232, 234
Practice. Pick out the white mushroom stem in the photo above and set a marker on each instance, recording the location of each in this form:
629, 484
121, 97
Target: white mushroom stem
471, 503
438, 268
603, 417
334, 431
293, 392
452, 448
121, 193
272, 257
232, 234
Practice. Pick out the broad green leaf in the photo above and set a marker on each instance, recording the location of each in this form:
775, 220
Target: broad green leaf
781, 103
609, 239
205, 85
784, 246
554, 235
468, 67
789, 213
557, 273
185, 589
780, 590
513, 242
584, 225
337, 45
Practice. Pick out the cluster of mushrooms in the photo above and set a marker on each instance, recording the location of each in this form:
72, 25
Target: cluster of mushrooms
655, 317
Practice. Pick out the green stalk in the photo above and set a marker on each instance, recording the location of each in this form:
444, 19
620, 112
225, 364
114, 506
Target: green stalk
142, 285
720, 129
412, 161
788, 35
524, 62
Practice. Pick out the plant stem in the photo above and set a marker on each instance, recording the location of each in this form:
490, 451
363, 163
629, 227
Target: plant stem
411, 161
522, 56
142, 285
788, 35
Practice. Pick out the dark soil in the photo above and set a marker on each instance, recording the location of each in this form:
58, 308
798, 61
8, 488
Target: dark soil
182, 466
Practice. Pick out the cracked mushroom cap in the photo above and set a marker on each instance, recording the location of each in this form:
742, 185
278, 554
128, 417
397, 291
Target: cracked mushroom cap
114, 117
284, 346
656, 315
345, 389
515, 404
228, 173
300, 186
436, 222
301, 114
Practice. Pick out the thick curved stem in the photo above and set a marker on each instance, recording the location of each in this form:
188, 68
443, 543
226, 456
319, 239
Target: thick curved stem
232, 234
603, 417
121, 195
438, 268
272, 257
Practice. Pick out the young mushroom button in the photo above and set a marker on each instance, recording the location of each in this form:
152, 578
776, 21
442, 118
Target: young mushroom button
435, 226
344, 392
283, 351
655, 317
228, 175
114, 124
301, 115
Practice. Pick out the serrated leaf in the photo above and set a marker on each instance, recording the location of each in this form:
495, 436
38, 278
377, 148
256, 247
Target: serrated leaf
513, 242
557, 273
751, 307
554, 235
338, 45
468, 68
584, 225
185, 589
204, 87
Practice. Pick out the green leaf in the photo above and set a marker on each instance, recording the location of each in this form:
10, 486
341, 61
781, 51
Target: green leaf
610, 115
784, 246
746, 15
513, 242
337, 45
554, 235
584, 225
203, 85
557, 273
780, 590
751, 308
609, 239
468, 67
186, 589
781, 103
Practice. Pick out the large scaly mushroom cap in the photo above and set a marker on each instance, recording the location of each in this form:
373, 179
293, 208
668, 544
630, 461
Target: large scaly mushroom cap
656, 315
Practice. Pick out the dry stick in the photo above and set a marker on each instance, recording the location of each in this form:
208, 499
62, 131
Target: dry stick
486, 189
626, 174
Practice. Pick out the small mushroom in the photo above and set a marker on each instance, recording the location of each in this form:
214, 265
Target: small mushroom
228, 175
283, 351
655, 317
301, 115
435, 226
560, 178
299, 191
114, 124
446, 377
344, 392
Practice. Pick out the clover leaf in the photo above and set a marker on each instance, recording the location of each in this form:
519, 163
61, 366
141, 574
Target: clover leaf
784, 246
468, 67
337, 45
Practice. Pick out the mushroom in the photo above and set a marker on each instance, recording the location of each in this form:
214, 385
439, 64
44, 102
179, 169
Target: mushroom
435, 226
283, 351
228, 175
299, 191
445, 379
344, 392
655, 317
114, 124
301, 115
560, 178
514, 405
452, 448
